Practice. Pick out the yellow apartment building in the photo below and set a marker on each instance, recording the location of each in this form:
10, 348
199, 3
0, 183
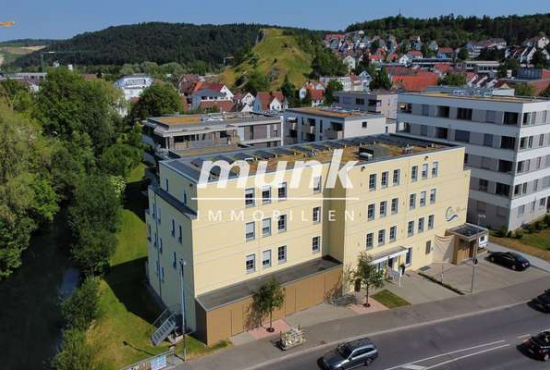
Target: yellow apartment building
404, 202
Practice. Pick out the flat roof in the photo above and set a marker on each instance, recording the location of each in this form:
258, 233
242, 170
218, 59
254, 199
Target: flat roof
335, 112
364, 149
468, 231
237, 292
212, 119
493, 98
372, 92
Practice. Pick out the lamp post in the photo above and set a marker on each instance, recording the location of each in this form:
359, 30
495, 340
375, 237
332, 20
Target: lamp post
182, 264
474, 257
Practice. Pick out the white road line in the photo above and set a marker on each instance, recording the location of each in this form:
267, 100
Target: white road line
466, 356
413, 367
523, 336
447, 353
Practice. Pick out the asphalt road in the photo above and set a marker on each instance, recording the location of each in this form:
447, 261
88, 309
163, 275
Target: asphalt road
486, 341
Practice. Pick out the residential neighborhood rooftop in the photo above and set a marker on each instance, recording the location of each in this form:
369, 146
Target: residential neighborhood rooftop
472, 95
206, 119
335, 112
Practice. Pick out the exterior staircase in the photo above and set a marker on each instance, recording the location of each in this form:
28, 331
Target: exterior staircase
164, 325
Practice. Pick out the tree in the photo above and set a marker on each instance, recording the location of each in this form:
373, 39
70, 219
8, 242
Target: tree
81, 308
539, 59
94, 217
289, 91
524, 89
269, 297
256, 82
368, 275
381, 80
119, 159
15, 95
155, 101
463, 54
325, 63
546, 92
453, 79
332, 87
508, 65
77, 354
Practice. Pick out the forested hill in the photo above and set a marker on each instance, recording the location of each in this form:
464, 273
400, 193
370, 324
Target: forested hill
154, 42
457, 31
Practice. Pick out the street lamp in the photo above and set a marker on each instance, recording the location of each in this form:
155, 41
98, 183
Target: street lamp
474, 257
182, 264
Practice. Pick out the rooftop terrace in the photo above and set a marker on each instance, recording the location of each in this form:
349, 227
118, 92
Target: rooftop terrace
461, 94
209, 119
335, 112
361, 149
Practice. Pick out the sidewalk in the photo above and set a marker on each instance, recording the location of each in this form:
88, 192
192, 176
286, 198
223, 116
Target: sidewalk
535, 261
326, 335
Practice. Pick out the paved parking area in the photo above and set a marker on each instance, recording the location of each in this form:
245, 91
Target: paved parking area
488, 275
416, 289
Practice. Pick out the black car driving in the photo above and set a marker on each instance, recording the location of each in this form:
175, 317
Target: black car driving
542, 302
351, 354
511, 260
539, 346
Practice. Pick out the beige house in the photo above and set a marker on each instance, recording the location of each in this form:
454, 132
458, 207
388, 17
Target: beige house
405, 195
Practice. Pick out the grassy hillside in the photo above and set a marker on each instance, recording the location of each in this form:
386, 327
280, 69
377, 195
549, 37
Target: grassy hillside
276, 55
8, 54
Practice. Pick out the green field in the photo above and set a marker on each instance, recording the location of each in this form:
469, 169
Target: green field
278, 55
389, 299
127, 310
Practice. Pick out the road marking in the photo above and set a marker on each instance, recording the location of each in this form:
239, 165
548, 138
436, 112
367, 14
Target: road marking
413, 367
466, 356
524, 336
447, 353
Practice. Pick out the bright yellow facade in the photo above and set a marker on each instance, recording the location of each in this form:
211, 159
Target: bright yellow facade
221, 253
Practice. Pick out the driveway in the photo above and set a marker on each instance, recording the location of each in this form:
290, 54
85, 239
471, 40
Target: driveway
417, 289
488, 276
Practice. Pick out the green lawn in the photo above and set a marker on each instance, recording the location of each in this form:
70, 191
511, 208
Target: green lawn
127, 310
536, 244
389, 299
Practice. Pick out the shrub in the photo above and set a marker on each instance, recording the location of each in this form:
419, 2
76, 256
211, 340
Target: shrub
519, 234
503, 231
81, 308
547, 220
539, 226
509, 234
531, 228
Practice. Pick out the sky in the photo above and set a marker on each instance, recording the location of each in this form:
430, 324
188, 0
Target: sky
59, 19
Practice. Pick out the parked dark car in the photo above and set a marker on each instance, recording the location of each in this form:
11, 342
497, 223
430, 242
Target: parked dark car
542, 302
350, 355
539, 346
510, 259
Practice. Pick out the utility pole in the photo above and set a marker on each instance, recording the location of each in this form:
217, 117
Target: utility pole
474, 257
182, 264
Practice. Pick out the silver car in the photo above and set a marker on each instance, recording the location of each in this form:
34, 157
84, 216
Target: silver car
349, 355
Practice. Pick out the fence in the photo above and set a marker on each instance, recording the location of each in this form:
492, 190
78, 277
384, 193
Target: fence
166, 360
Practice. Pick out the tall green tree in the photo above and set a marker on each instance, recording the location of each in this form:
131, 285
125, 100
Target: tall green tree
463, 54
155, 101
269, 297
289, 92
77, 354
81, 308
16, 95
453, 79
256, 82
381, 80
331, 88
539, 59
368, 275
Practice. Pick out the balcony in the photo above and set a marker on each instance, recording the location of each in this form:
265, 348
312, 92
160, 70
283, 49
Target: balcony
331, 134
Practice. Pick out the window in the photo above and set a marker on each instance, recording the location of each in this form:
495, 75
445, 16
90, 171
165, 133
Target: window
435, 169
180, 235
412, 201
250, 234
424, 171
408, 257
317, 214
430, 222
266, 259
425, 110
414, 173
249, 200
385, 176
369, 241
158, 215
372, 182
541, 140
166, 187
428, 247
370, 212
174, 260
542, 202
316, 244
510, 118
281, 192
396, 177
250, 263
535, 185
162, 274
393, 233
281, 223
281, 254
184, 197
464, 114
423, 130
160, 244
433, 195
421, 225
364, 124
521, 210
317, 185
507, 142
443, 111
410, 228
266, 227
266, 195
383, 208
502, 189
526, 118
462, 136
490, 116
359, 101
530, 142
381, 237
394, 205
422, 198
441, 132
173, 229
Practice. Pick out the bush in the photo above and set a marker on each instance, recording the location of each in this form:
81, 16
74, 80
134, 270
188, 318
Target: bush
81, 308
77, 354
530, 228
547, 220
503, 231
509, 234
519, 234
539, 226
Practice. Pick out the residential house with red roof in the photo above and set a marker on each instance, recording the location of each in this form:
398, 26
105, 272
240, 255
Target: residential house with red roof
270, 102
206, 93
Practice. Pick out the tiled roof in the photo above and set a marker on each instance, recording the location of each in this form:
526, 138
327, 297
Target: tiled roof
416, 83
222, 105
